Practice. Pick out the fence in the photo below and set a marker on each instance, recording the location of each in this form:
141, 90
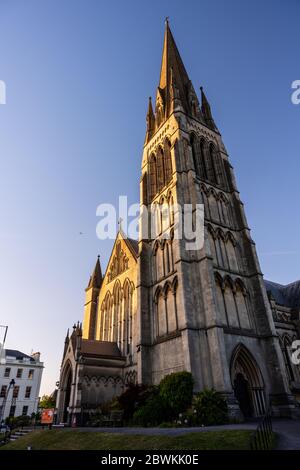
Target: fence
262, 439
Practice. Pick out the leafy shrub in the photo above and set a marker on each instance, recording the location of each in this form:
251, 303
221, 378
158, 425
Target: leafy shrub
176, 390
17, 421
210, 408
133, 397
152, 412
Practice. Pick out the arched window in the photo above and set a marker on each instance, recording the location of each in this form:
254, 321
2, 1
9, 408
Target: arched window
153, 177
221, 301
160, 169
219, 254
168, 162
159, 261
167, 260
144, 189
194, 146
161, 315
158, 219
206, 204
213, 157
202, 164
155, 220
165, 216
231, 254
171, 209
171, 313
125, 326
198, 150
213, 207
231, 309
108, 318
240, 297
212, 245
209, 154
223, 250
102, 319
219, 168
116, 313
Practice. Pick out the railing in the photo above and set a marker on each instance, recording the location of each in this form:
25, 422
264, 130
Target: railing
262, 438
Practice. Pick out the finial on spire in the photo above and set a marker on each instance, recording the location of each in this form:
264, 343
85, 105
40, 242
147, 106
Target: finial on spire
167, 20
120, 224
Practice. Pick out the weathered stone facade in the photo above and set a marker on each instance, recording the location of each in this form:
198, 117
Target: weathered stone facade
166, 308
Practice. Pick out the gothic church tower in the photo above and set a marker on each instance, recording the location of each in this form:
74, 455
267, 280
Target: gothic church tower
206, 310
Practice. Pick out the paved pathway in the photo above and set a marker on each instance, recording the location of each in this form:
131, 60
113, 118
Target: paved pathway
289, 434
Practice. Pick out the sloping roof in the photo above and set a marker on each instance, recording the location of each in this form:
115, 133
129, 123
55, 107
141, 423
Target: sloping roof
91, 347
18, 355
288, 295
134, 244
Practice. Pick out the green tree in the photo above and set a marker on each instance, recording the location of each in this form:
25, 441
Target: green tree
210, 408
176, 390
47, 402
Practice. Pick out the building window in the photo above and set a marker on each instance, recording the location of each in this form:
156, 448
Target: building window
27, 392
19, 373
12, 411
16, 391
3, 391
7, 372
25, 411
30, 374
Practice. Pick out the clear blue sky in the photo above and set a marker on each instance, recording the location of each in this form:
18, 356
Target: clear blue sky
78, 75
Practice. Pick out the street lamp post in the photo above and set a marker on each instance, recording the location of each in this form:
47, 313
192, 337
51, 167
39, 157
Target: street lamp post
11, 385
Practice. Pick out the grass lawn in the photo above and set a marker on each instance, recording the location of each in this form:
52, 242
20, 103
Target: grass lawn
60, 439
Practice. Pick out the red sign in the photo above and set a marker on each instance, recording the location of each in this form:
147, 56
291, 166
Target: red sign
47, 416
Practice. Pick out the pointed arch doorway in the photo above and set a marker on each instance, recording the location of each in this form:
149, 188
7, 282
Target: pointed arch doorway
247, 382
66, 392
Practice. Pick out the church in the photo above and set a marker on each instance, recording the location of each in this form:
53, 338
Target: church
159, 308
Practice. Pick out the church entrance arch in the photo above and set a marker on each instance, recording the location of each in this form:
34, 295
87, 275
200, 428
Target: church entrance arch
247, 382
66, 387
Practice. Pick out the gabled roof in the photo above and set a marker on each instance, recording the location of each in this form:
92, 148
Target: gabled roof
133, 245
286, 295
91, 347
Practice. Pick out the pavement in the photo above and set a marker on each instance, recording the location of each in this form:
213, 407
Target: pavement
288, 434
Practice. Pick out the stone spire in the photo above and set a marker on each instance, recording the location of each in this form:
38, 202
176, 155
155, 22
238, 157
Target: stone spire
206, 111
150, 121
172, 69
96, 277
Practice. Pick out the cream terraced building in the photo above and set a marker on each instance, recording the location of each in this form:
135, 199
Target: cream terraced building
160, 308
20, 381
